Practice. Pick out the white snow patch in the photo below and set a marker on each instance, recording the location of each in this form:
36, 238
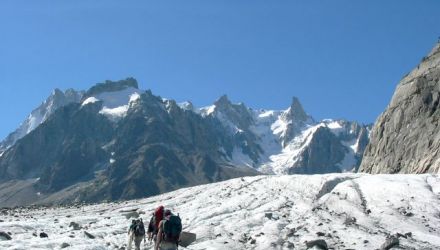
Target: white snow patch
279, 127
266, 114
263, 129
116, 104
348, 164
186, 106
355, 146
205, 111
114, 113
134, 97
34, 120
91, 99
116, 99
239, 159
334, 126
289, 155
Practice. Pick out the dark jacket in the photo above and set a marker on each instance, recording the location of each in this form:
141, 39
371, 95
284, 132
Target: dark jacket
152, 226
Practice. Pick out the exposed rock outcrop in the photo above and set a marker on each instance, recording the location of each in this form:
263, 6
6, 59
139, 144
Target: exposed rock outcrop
322, 155
296, 118
406, 137
111, 86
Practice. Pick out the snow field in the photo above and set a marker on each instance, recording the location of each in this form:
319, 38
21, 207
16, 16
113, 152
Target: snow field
348, 211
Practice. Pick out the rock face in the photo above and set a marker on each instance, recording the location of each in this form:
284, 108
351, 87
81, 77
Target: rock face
296, 119
5, 236
406, 137
323, 154
110, 86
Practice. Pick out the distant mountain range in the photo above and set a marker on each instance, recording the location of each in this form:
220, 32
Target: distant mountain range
115, 141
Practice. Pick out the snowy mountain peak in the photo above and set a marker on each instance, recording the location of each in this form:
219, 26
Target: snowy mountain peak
116, 97
187, 105
236, 116
56, 100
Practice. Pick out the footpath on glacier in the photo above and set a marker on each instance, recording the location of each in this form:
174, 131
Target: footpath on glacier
347, 211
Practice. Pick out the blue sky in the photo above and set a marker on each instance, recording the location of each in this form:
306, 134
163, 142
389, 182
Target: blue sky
342, 59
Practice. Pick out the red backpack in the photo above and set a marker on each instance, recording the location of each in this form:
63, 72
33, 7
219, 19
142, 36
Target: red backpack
158, 216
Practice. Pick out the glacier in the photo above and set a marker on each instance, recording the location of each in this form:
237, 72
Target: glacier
348, 211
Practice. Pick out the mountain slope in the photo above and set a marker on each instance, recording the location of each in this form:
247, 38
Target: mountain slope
118, 143
283, 142
55, 101
348, 211
406, 137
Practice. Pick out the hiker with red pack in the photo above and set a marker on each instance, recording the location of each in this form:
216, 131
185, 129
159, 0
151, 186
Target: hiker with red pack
153, 226
170, 229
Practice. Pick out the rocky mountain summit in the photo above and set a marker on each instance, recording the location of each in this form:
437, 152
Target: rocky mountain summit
406, 137
115, 141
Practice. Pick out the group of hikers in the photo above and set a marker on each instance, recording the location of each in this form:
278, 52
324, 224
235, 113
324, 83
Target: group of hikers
164, 230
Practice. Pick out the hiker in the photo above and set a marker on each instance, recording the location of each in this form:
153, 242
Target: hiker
153, 226
168, 235
136, 233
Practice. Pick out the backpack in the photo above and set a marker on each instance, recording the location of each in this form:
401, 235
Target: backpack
172, 229
158, 217
139, 229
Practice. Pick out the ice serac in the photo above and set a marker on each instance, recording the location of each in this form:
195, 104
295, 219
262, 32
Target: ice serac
406, 137
55, 101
